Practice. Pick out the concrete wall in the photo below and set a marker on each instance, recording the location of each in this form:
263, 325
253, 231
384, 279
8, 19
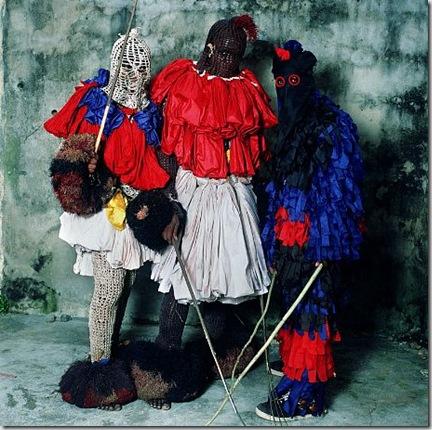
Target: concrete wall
372, 60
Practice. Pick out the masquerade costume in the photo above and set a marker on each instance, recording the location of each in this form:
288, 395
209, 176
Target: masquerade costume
314, 213
130, 135
214, 116
95, 226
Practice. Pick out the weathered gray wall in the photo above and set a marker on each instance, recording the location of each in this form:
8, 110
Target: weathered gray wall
372, 60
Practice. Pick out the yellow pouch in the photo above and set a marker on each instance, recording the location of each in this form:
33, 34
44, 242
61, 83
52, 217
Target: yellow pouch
115, 210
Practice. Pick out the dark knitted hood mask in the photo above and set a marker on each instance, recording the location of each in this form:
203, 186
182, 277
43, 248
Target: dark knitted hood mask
225, 46
294, 81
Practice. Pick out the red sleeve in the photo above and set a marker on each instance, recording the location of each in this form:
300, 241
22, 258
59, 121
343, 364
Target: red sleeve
70, 118
163, 81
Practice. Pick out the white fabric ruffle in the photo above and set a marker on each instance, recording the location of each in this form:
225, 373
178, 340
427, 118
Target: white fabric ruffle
221, 246
95, 233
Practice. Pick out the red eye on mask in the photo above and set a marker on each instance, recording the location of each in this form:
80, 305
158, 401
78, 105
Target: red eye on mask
280, 81
294, 79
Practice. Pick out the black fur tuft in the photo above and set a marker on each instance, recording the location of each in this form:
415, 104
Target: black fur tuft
89, 385
148, 231
227, 348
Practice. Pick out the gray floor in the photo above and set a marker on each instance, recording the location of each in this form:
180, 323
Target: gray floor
380, 383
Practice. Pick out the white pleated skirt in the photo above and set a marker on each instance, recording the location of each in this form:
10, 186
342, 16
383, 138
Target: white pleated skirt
96, 233
221, 246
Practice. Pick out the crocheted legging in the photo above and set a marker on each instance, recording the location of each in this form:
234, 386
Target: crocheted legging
173, 315
104, 315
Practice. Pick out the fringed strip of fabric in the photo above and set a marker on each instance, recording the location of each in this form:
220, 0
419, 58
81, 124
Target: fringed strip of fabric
290, 232
318, 307
300, 352
327, 179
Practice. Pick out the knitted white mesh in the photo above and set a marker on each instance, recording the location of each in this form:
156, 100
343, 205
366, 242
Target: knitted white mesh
108, 287
130, 90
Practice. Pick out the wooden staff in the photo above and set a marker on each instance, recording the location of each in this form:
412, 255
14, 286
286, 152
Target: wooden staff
203, 325
269, 340
111, 92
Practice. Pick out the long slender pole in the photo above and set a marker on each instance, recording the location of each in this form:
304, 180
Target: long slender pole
257, 325
204, 327
269, 340
111, 92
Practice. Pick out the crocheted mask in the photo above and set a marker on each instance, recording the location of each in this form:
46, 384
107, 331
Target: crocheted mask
225, 46
130, 89
294, 81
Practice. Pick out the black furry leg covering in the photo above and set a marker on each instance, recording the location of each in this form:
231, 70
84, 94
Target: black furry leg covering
172, 320
121, 309
215, 319
227, 335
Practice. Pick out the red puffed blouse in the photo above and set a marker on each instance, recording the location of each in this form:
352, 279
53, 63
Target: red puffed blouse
125, 151
203, 111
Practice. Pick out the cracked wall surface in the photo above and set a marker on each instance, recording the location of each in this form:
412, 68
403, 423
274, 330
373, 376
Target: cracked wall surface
372, 60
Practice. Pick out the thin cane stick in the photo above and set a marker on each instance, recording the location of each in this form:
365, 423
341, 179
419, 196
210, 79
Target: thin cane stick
274, 404
204, 327
260, 320
269, 340
111, 92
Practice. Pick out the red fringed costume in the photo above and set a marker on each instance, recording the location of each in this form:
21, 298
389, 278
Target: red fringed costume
202, 112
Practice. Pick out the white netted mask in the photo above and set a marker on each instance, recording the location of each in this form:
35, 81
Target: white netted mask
130, 89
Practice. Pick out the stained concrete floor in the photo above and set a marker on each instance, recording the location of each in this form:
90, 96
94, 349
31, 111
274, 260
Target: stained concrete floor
380, 383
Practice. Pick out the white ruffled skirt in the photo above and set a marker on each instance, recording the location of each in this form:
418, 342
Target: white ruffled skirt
95, 233
221, 246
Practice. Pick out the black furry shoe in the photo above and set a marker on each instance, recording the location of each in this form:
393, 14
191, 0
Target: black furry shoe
103, 384
228, 358
227, 349
164, 376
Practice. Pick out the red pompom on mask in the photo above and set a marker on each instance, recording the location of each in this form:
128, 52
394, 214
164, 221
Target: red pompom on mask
247, 24
283, 54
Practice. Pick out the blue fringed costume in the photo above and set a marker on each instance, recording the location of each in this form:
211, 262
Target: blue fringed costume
314, 214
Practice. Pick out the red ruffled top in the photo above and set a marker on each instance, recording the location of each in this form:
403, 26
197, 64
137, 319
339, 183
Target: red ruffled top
125, 150
202, 112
